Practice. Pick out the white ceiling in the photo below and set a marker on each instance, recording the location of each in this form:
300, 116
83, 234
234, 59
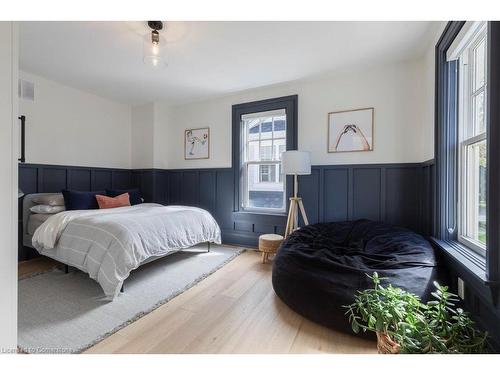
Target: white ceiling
209, 58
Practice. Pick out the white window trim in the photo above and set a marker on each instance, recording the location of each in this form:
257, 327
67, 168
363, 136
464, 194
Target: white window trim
462, 203
468, 32
463, 52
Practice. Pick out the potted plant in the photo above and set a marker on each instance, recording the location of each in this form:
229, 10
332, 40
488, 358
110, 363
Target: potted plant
403, 324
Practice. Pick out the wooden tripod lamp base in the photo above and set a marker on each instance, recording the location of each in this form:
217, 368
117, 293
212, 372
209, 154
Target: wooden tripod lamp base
295, 163
292, 222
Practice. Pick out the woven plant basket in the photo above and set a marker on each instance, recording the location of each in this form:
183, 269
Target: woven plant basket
386, 345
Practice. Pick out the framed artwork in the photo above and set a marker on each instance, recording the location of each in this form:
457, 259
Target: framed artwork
351, 130
197, 143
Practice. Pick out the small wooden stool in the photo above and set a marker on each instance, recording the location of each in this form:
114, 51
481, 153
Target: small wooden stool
269, 244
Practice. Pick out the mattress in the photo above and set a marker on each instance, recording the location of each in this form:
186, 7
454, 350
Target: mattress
29, 227
35, 220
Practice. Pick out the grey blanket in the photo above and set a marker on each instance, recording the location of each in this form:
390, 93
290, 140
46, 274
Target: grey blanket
108, 244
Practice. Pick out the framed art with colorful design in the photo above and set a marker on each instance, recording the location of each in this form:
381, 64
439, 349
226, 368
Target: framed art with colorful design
197, 143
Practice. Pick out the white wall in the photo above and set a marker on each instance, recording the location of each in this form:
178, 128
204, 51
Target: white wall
8, 184
142, 155
429, 76
162, 136
150, 136
395, 91
67, 126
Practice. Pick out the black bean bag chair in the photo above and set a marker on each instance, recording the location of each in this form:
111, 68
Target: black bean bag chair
319, 268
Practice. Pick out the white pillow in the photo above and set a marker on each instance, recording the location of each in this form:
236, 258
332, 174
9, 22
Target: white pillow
46, 209
50, 199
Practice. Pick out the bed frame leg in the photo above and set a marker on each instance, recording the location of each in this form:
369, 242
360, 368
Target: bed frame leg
208, 246
66, 268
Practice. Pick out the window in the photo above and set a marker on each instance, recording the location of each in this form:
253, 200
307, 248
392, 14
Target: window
466, 178
263, 140
472, 151
261, 132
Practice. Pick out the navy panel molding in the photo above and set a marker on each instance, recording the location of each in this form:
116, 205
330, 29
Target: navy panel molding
367, 193
336, 206
44, 178
427, 198
387, 192
102, 179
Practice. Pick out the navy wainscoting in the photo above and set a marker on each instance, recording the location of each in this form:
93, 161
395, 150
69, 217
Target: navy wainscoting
394, 193
43, 178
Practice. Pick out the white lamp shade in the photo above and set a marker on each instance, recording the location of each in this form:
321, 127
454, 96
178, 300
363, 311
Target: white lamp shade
296, 162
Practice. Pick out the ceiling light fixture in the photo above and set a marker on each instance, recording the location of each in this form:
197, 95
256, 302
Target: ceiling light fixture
151, 47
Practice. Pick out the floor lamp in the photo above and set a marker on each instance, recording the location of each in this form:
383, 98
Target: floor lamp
295, 163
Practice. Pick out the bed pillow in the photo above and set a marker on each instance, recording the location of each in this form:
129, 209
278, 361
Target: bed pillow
134, 194
81, 200
50, 199
47, 209
122, 200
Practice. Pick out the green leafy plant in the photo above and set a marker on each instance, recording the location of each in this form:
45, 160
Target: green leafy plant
415, 327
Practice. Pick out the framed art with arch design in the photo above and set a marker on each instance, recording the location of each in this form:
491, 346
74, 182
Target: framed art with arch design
351, 130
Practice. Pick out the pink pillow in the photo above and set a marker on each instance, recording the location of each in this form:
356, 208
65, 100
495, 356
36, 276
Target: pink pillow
121, 200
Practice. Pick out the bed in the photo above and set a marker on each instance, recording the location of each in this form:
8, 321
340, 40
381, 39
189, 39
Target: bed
109, 243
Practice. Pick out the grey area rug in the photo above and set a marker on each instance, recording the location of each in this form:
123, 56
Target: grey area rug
66, 313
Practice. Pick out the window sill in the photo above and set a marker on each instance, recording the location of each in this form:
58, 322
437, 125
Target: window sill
474, 263
265, 213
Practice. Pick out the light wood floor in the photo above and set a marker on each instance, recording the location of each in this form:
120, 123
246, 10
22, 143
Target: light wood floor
234, 310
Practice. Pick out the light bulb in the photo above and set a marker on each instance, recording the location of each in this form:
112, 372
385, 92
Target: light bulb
153, 51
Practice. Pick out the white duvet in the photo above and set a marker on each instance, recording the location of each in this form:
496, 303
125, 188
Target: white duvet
109, 243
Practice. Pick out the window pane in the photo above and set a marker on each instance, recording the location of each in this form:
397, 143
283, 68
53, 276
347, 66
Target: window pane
479, 62
266, 150
472, 132
279, 148
272, 177
264, 190
475, 215
478, 110
264, 141
252, 151
279, 123
267, 173
264, 173
266, 128
253, 127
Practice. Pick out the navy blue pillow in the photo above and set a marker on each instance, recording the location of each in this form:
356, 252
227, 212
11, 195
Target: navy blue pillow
81, 200
134, 195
